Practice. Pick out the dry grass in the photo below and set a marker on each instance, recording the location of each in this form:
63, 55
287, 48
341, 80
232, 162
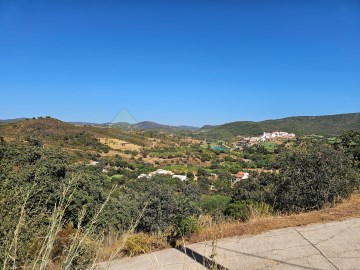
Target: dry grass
141, 243
347, 209
129, 245
117, 144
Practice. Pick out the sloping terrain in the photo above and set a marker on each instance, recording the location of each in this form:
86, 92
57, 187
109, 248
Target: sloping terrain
329, 125
6, 121
148, 125
57, 133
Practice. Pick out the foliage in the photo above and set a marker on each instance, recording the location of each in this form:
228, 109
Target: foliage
238, 211
214, 205
43, 174
305, 175
259, 188
321, 125
163, 202
310, 175
350, 142
313, 175
246, 210
185, 226
259, 210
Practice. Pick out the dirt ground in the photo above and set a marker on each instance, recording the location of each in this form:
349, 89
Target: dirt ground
117, 144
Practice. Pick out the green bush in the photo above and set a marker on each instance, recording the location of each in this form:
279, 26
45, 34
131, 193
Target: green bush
246, 210
238, 211
260, 188
313, 175
214, 205
164, 203
186, 226
350, 142
27, 168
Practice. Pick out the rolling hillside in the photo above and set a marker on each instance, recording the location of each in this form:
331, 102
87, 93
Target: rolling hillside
148, 125
328, 125
7, 121
56, 132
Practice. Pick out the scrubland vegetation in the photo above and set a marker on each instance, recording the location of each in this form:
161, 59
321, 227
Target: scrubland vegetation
57, 212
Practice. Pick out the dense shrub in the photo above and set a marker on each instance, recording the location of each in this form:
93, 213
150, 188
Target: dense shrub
259, 188
238, 211
309, 176
350, 142
246, 210
32, 183
185, 226
214, 205
313, 175
163, 203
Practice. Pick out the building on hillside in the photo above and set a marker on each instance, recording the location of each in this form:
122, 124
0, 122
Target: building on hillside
182, 178
280, 135
246, 142
161, 172
254, 140
266, 137
213, 176
157, 172
106, 169
241, 176
143, 176
93, 163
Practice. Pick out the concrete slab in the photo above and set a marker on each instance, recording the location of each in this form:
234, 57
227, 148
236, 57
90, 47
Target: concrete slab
281, 249
161, 260
329, 246
339, 242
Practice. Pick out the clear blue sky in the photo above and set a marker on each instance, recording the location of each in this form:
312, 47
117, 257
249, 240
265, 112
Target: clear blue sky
179, 62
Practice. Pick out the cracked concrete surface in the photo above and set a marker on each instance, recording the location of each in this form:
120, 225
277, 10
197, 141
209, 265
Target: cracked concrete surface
330, 246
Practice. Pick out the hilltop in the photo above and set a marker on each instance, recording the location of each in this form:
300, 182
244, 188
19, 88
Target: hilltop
328, 125
7, 121
149, 125
73, 137
55, 130
84, 140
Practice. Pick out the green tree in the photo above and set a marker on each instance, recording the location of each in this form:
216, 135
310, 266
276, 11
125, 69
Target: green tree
350, 142
214, 205
313, 175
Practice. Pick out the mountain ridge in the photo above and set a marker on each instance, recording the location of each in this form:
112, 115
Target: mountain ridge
326, 125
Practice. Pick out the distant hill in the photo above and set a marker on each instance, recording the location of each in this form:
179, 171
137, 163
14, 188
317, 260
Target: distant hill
6, 121
56, 132
328, 125
148, 125
84, 124
188, 127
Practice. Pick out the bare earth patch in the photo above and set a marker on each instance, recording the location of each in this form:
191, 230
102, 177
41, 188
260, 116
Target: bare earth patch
117, 144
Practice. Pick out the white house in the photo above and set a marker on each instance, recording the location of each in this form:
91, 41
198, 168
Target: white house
242, 176
157, 172
93, 163
277, 135
161, 172
183, 178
